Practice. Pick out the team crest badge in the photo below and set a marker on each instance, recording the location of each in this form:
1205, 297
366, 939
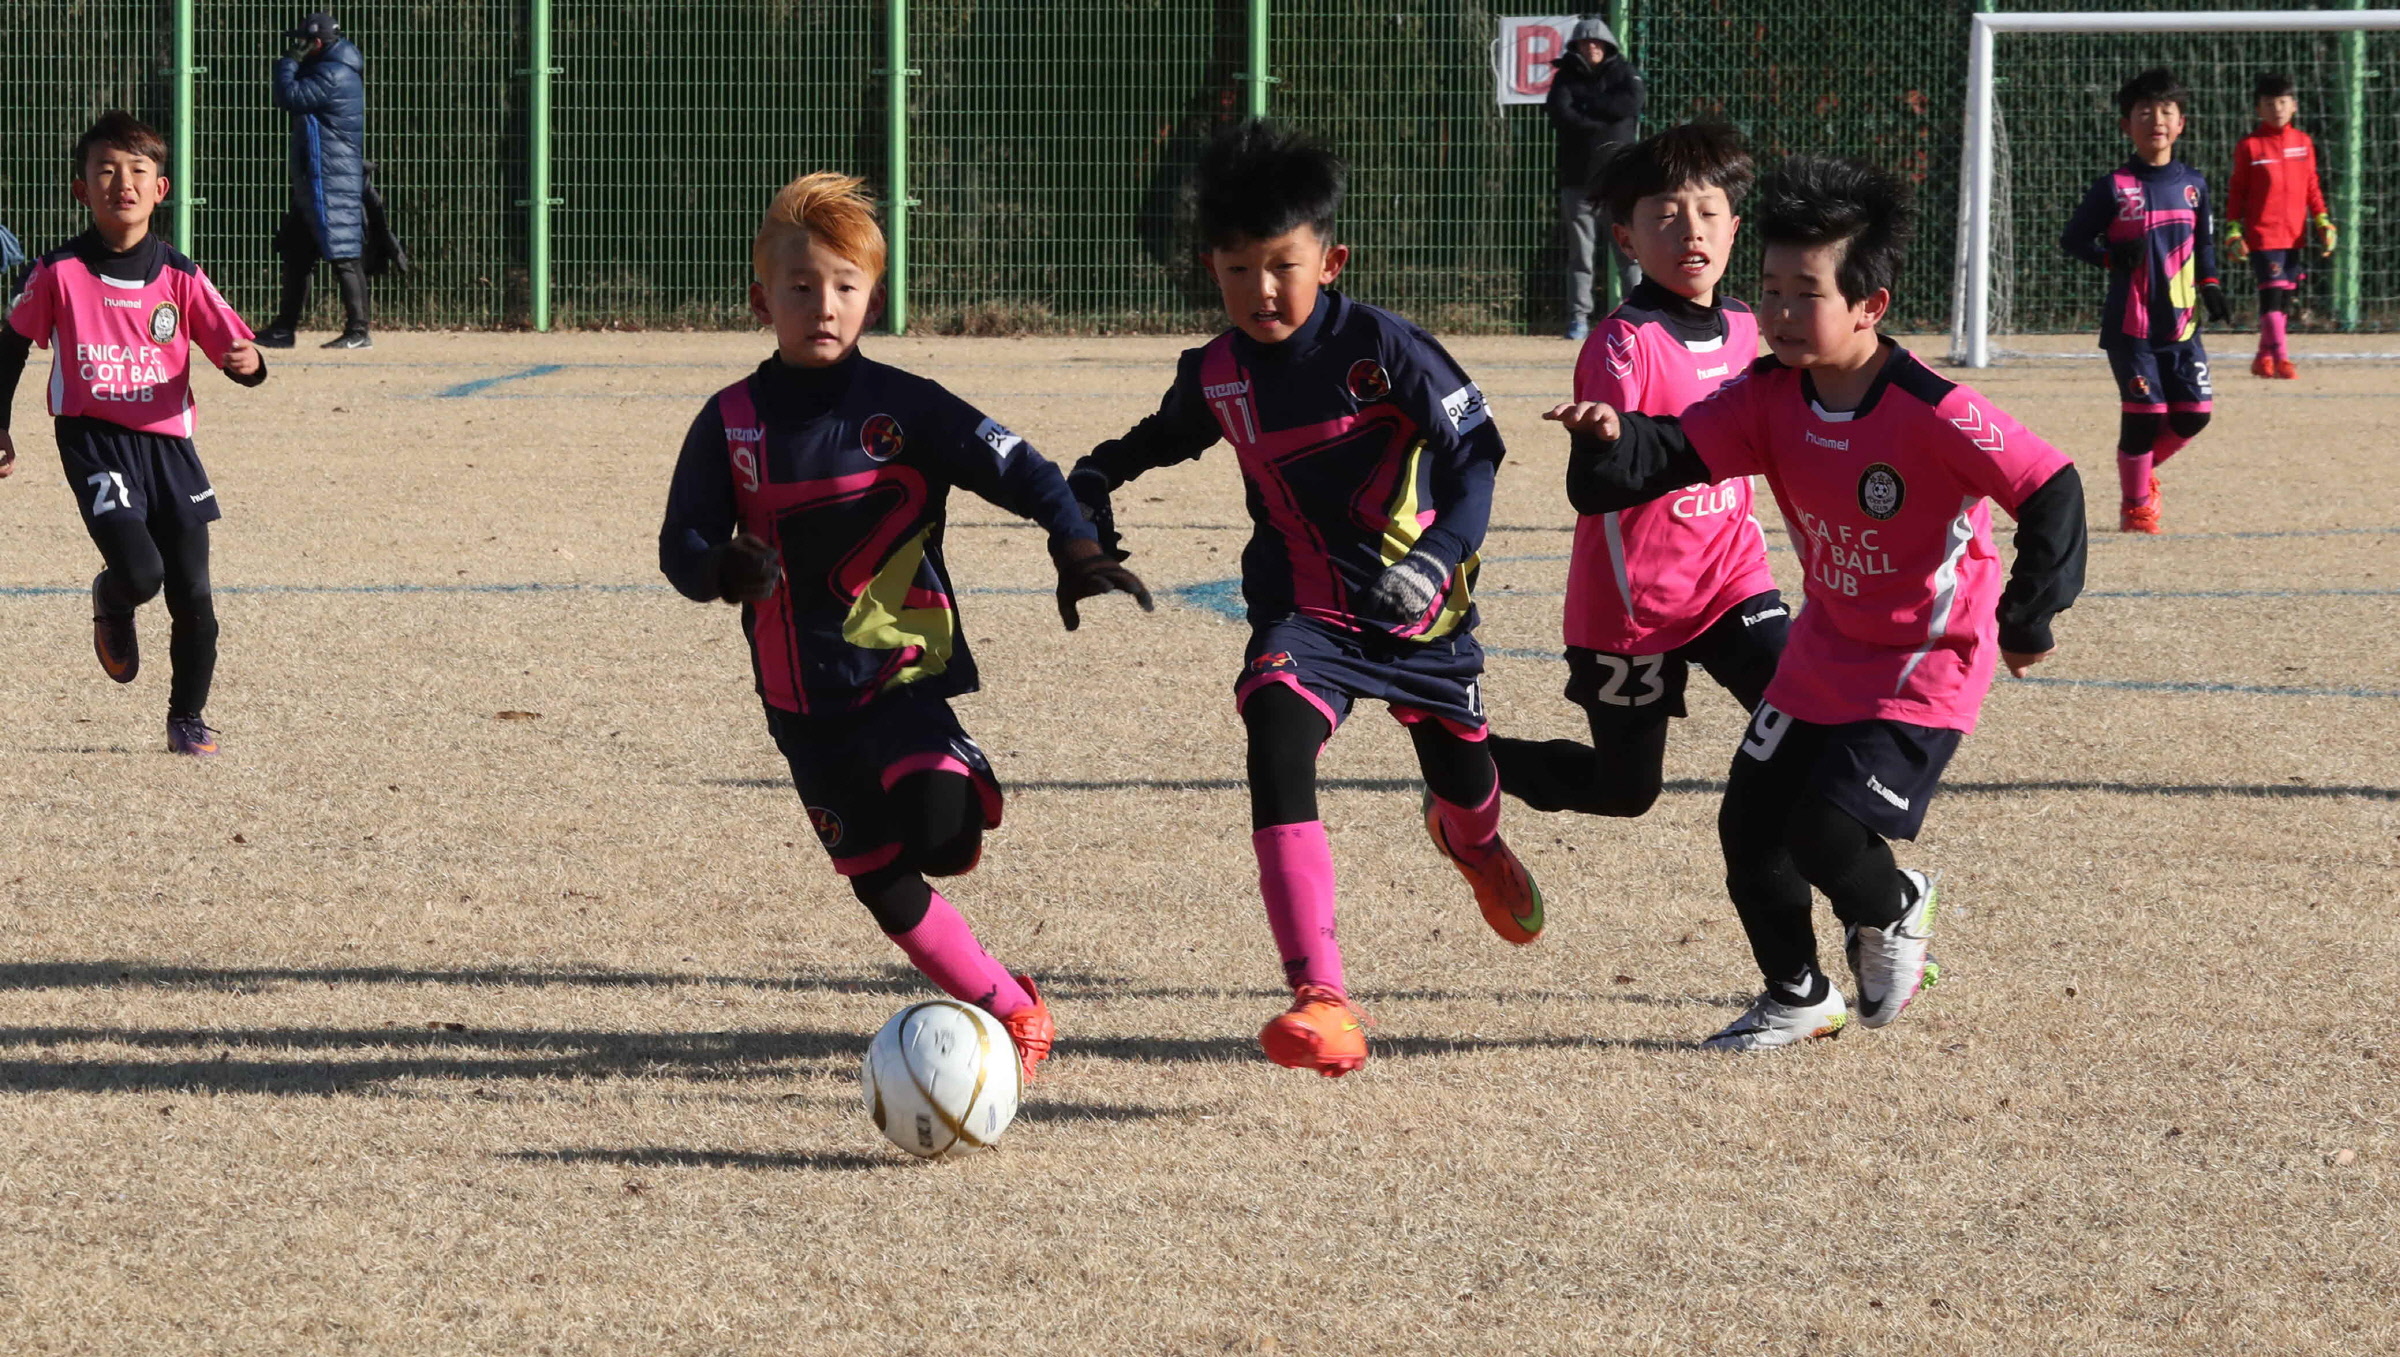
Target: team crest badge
2140, 387
2191, 196
1368, 381
880, 437
1277, 659
163, 322
827, 824
1881, 491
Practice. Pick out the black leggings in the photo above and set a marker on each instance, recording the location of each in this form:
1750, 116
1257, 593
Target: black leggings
1286, 731
1778, 845
144, 559
940, 820
2137, 431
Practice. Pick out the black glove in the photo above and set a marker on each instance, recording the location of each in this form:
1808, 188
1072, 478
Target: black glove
1405, 589
1085, 571
745, 570
2125, 256
2213, 297
1090, 489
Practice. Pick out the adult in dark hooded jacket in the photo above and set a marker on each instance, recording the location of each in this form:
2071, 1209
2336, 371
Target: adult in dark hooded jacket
322, 85
1596, 105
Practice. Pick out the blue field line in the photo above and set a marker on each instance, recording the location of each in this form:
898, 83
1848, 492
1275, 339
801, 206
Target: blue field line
485, 383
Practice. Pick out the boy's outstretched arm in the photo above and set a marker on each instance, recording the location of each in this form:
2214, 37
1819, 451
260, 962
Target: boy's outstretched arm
1617, 459
14, 348
1181, 429
2048, 572
2086, 236
1006, 470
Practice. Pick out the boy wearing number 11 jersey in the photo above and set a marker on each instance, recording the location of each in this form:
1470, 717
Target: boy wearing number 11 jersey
813, 494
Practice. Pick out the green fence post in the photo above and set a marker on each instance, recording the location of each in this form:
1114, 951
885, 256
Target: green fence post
186, 132
1255, 98
537, 219
895, 216
1620, 22
2352, 219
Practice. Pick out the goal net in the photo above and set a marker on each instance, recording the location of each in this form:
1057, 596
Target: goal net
2041, 124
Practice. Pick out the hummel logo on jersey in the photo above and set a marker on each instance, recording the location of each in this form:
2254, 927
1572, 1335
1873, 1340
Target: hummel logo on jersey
205, 495
1467, 408
1765, 615
1718, 371
1837, 444
1983, 433
121, 303
998, 439
1876, 786
1617, 352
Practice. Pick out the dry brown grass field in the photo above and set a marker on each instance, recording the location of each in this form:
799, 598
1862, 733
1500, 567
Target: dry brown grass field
405, 1028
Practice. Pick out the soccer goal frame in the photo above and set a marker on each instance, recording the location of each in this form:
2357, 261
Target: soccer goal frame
1970, 331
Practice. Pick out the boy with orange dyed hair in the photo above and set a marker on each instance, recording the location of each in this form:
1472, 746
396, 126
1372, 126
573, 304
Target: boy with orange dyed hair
812, 493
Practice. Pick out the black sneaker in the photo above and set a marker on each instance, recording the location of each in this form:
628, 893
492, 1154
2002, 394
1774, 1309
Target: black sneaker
275, 337
190, 735
349, 339
113, 638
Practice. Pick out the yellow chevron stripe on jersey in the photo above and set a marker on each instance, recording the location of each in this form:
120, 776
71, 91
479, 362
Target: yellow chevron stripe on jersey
2184, 295
1400, 534
882, 620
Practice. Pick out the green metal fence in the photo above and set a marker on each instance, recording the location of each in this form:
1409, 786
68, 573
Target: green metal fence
1044, 143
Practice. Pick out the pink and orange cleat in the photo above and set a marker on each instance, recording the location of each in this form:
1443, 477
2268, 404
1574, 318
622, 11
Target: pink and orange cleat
1321, 1031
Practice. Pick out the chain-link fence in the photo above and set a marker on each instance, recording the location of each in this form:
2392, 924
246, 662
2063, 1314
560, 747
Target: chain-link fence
1047, 142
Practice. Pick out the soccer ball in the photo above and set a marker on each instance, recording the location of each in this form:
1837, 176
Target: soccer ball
941, 1079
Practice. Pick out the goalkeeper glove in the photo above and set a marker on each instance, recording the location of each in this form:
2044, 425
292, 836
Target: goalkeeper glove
1405, 589
1086, 571
1090, 489
2213, 297
745, 569
2237, 247
2325, 229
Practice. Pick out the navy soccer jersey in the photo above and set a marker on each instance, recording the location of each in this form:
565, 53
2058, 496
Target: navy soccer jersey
2160, 215
1359, 439
846, 471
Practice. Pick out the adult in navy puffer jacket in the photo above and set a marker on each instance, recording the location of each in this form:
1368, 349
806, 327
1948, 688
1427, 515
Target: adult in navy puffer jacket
322, 85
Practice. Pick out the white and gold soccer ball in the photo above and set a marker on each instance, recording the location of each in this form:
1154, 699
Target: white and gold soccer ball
941, 1079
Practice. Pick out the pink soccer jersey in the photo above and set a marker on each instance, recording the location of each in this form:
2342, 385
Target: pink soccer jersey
121, 349
1886, 506
1645, 580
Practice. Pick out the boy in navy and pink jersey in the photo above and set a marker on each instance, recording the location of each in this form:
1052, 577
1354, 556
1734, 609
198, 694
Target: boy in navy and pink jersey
120, 311
1367, 461
1656, 588
2148, 223
2275, 197
813, 493
1882, 470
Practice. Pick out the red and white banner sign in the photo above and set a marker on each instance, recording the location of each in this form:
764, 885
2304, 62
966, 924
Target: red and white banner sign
1522, 54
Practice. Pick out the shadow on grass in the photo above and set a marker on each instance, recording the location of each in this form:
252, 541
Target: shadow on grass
2262, 791
274, 1060
663, 1157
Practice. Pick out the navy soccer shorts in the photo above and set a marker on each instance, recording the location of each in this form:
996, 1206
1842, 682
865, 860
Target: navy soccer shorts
2152, 380
1420, 680
2280, 270
115, 470
845, 766
1882, 772
1739, 651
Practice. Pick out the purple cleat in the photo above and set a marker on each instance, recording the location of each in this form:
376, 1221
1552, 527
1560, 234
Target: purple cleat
190, 735
113, 638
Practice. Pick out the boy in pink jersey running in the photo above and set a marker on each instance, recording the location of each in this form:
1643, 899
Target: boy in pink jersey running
1656, 588
1881, 469
120, 310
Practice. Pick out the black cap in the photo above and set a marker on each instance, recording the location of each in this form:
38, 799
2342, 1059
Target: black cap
317, 25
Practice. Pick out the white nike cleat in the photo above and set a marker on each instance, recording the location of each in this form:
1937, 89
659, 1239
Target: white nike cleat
1770, 1024
1893, 965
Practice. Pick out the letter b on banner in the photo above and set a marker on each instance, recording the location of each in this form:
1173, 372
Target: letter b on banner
1522, 54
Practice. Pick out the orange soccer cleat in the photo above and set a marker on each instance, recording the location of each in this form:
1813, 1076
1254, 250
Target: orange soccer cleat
1504, 890
1031, 1029
2262, 366
2139, 518
1321, 1031
2285, 370
114, 639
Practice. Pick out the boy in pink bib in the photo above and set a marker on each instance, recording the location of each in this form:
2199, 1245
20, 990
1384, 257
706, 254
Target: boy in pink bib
1882, 469
1682, 580
120, 310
